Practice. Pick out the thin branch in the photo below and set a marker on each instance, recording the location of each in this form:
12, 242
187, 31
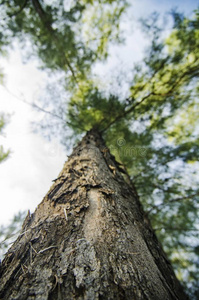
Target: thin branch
175, 229
125, 113
33, 105
22, 233
65, 214
42, 15
159, 206
131, 97
48, 248
46, 111
20, 9
193, 69
162, 189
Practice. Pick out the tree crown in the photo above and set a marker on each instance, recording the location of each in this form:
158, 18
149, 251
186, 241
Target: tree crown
153, 131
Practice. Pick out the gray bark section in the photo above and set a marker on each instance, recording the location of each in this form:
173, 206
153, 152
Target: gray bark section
88, 239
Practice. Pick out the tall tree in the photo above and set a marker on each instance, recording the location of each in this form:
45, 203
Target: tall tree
88, 239
145, 131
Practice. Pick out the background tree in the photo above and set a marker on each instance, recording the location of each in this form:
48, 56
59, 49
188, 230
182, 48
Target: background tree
3, 154
9, 233
163, 91
3, 119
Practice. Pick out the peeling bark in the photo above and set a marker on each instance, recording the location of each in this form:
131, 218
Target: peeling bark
88, 239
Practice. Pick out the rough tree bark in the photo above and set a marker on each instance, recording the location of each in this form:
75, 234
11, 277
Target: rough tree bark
88, 239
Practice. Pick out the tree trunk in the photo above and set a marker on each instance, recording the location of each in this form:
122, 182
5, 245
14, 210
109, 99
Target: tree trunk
88, 239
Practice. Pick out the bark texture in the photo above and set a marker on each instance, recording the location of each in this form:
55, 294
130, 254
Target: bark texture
88, 239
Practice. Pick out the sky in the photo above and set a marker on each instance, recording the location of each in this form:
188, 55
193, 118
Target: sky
34, 162
26, 176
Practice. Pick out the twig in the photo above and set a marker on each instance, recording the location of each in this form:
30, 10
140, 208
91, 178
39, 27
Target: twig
65, 214
42, 16
48, 248
33, 248
158, 207
33, 105
20, 9
125, 113
56, 281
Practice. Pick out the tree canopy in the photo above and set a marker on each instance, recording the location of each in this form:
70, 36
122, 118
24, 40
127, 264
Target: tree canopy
153, 132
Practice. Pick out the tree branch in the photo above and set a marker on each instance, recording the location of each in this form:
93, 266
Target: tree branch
193, 69
36, 106
174, 229
125, 113
42, 16
158, 207
20, 9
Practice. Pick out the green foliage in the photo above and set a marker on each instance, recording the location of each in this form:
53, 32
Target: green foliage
3, 154
89, 107
9, 233
59, 34
154, 131
1, 76
98, 24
